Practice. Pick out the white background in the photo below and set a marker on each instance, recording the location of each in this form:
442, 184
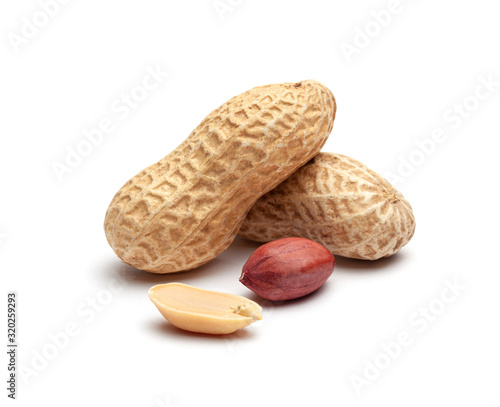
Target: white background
392, 93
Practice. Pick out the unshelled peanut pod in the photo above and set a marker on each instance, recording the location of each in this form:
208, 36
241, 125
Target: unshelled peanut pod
187, 208
338, 202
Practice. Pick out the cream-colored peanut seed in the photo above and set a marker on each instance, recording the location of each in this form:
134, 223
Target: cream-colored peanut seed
250, 309
198, 310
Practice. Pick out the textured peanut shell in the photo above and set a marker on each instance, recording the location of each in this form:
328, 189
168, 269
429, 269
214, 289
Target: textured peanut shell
187, 208
338, 202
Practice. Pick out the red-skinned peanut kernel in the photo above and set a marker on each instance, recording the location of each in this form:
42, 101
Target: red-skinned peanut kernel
287, 268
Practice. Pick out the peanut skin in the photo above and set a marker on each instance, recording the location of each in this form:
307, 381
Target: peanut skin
287, 268
338, 202
187, 208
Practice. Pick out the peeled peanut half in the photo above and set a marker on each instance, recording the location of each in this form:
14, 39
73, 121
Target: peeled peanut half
204, 311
